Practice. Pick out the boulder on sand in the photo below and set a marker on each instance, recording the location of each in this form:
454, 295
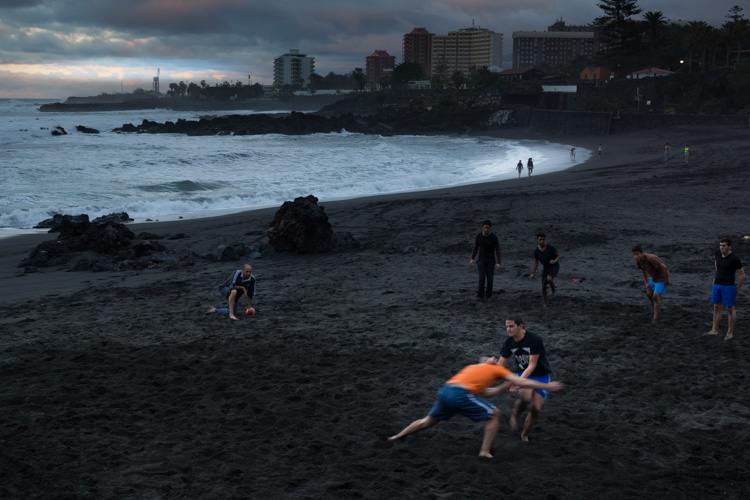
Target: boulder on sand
301, 226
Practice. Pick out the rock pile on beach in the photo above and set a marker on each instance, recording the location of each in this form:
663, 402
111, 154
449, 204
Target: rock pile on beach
301, 226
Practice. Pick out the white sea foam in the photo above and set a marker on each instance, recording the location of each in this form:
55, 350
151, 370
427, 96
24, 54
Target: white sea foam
167, 176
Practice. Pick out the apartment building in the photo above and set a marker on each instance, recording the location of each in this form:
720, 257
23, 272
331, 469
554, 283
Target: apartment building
378, 64
467, 48
532, 49
293, 68
417, 48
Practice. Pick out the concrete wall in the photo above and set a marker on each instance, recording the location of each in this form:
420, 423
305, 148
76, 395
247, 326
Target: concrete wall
633, 122
599, 123
569, 122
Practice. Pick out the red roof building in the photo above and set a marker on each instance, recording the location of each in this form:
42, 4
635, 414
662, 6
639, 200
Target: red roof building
377, 64
417, 48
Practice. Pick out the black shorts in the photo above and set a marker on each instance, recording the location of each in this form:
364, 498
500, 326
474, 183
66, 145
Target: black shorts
552, 271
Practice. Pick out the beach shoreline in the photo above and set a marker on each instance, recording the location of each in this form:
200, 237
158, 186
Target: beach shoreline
117, 384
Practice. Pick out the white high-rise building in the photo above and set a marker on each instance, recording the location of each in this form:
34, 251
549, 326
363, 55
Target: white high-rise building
293, 68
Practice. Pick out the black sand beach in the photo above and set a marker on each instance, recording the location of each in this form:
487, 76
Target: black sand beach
117, 385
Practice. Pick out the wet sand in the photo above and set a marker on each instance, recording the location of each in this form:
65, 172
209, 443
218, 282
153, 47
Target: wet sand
117, 385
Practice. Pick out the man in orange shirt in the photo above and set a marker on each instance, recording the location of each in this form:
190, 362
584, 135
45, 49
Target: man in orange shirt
461, 393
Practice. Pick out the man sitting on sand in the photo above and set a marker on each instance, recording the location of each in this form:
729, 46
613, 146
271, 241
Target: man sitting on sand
460, 395
655, 275
241, 282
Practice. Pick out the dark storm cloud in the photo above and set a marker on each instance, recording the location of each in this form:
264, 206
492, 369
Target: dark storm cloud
12, 4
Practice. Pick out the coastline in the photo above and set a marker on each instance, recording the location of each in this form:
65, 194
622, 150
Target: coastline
118, 384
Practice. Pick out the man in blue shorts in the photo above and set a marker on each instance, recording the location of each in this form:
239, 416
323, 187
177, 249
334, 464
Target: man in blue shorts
527, 348
725, 291
548, 255
655, 276
461, 393
240, 282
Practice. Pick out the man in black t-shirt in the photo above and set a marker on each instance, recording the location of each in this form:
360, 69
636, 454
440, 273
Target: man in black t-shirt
725, 291
527, 348
548, 255
487, 246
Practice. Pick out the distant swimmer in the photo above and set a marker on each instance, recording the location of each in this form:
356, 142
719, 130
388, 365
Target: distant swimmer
600, 150
572, 154
686, 154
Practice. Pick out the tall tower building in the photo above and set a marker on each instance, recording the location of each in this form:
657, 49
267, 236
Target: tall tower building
377, 64
467, 48
293, 68
417, 48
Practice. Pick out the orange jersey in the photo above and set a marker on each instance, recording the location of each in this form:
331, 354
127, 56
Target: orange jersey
479, 377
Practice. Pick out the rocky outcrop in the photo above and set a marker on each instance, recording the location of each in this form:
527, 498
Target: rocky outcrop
77, 235
59, 220
86, 130
411, 121
301, 226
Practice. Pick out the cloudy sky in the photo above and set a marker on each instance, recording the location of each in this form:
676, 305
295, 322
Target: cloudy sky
59, 48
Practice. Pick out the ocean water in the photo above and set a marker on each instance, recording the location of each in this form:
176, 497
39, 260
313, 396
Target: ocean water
161, 177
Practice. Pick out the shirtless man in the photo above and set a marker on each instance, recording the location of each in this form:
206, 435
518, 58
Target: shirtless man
655, 276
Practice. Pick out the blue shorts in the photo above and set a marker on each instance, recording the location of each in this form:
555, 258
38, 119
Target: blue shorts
545, 380
724, 294
452, 399
660, 287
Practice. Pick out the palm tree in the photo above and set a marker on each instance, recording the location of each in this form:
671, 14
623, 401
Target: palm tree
695, 38
737, 30
654, 23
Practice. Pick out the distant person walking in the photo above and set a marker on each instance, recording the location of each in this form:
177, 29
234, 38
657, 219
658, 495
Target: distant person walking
548, 255
655, 275
725, 291
667, 149
600, 150
572, 154
519, 168
686, 154
487, 246
530, 166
